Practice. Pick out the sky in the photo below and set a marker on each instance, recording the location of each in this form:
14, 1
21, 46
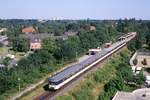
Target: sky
74, 9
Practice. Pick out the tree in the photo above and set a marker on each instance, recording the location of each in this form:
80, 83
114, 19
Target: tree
135, 61
148, 39
20, 44
6, 61
120, 26
49, 44
41, 57
1, 45
139, 79
70, 48
72, 26
144, 62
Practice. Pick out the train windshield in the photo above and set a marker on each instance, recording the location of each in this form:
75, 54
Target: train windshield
55, 83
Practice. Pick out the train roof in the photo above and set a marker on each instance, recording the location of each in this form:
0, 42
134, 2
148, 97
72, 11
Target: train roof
75, 68
65, 73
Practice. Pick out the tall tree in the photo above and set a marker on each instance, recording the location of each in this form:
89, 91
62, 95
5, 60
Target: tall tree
20, 44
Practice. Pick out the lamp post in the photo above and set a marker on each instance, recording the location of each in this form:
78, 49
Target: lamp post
19, 84
76, 54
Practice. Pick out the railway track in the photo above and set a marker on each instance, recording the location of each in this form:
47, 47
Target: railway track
50, 95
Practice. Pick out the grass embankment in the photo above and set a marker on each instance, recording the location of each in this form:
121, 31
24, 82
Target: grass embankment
93, 87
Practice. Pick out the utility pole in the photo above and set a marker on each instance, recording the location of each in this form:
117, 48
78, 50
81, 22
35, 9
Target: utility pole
76, 54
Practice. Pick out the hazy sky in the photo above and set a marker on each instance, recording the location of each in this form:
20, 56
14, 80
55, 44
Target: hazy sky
75, 9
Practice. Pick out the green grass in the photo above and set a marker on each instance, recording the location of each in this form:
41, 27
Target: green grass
64, 97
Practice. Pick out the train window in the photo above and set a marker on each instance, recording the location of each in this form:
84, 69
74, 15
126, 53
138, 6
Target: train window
56, 83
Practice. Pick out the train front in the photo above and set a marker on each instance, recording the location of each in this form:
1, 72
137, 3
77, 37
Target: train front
53, 84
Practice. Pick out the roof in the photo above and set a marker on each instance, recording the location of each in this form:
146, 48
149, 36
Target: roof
3, 38
28, 29
133, 67
138, 68
139, 94
148, 77
92, 28
75, 68
3, 29
36, 37
123, 96
97, 50
70, 33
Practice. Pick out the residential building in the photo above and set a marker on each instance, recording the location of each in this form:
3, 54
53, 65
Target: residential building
139, 94
4, 39
3, 30
29, 29
70, 33
92, 28
36, 39
35, 43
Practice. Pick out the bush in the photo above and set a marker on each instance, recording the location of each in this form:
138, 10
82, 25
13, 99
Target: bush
84, 94
144, 62
135, 61
6, 61
64, 97
148, 70
1, 45
104, 96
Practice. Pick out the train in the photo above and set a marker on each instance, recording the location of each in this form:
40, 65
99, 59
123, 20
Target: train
61, 78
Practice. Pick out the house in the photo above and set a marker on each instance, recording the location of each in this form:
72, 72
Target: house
70, 33
92, 28
36, 39
4, 39
3, 30
2, 66
29, 29
35, 43
138, 94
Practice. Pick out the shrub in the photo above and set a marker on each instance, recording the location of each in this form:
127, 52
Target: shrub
64, 97
135, 61
84, 94
144, 62
148, 70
